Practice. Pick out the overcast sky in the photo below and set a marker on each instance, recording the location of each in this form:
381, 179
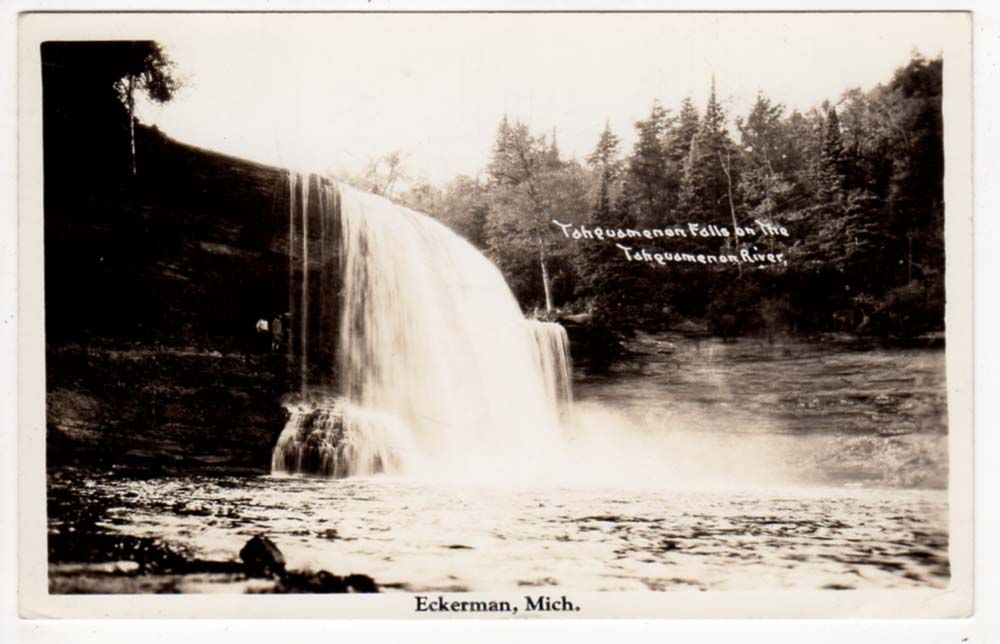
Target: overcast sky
329, 91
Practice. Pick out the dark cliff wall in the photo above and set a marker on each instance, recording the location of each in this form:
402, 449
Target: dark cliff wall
154, 283
191, 251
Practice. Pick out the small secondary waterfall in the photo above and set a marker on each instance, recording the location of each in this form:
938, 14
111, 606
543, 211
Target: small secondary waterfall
552, 357
417, 355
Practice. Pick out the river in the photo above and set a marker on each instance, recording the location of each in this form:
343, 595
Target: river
697, 464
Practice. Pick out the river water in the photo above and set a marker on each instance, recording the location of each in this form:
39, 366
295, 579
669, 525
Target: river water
696, 465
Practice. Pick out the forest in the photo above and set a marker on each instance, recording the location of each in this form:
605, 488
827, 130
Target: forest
856, 182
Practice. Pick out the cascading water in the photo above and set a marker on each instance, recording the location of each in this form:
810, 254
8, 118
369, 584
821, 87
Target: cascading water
552, 356
331, 437
435, 365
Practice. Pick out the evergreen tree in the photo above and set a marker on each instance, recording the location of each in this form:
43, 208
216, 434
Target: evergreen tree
553, 158
529, 189
647, 182
859, 186
596, 259
916, 192
604, 158
676, 146
863, 236
705, 184
617, 287
806, 131
853, 114
709, 190
831, 172
605, 163
677, 143
819, 244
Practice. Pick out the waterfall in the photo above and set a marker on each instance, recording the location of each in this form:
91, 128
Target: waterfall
552, 357
305, 284
434, 363
290, 341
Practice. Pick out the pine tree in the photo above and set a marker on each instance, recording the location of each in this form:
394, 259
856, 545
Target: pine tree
647, 182
529, 189
863, 235
912, 104
677, 143
617, 287
709, 186
605, 154
707, 194
831, 172
553, 157
844, 236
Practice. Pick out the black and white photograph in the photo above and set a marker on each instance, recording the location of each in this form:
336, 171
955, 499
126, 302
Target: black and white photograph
502, 314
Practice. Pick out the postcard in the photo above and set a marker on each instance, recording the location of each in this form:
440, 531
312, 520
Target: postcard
502, 315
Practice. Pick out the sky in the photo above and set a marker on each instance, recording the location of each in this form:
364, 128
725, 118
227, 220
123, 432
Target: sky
330, 91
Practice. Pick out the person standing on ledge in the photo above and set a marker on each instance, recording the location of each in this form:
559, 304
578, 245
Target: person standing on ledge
263, 332
276, 331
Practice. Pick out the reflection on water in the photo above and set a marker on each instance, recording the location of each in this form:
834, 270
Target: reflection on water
854, 442
789, 385
875, 417
417, 537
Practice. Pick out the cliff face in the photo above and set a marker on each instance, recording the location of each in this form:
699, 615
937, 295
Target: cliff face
155, 279
154, 284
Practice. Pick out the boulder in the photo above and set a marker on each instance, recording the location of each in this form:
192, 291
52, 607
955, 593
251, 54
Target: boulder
261, 558
311, 582
360, 584
325, 582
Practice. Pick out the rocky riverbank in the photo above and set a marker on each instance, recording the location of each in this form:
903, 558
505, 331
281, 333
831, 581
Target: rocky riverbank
88, 555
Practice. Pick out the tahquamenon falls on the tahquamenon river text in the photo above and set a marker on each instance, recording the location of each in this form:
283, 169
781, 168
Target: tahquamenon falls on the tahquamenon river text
413, 360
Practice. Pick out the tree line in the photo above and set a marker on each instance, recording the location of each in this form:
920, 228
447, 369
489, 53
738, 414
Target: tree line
858, 183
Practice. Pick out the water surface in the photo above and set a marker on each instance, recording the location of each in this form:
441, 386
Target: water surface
700, 465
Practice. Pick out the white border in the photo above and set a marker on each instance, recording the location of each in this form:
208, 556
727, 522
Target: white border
952, 630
